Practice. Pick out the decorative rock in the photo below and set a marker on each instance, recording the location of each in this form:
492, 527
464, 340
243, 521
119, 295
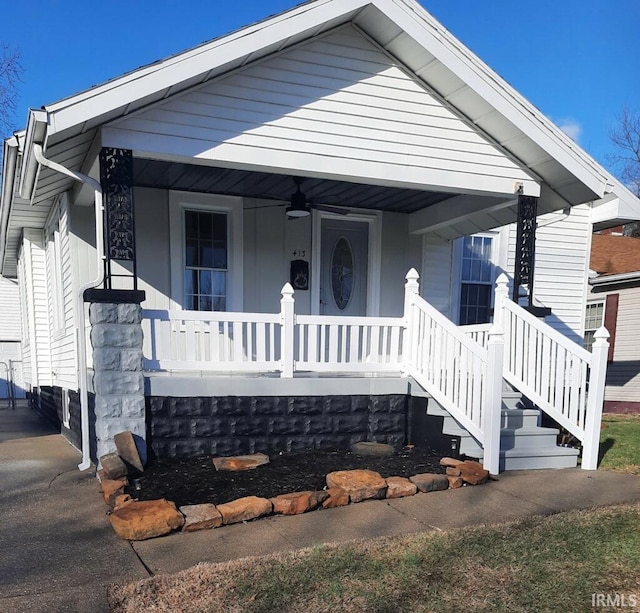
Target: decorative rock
112, 466
244, 509
122, 500
399, 487
455, 482
241, 462
140, 520
450, 462
359, 484
473, 473
337, 497
366, 448
127, 449
430, 482
111, 489
298, 502
200, 517
452, 471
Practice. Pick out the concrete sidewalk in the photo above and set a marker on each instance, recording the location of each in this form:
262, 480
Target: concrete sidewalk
59, 551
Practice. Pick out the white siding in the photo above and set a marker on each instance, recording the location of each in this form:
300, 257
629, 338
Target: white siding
9, 311
562, 261
36, 270
436, 281
63, 332
623, 374
24, 284
336, 105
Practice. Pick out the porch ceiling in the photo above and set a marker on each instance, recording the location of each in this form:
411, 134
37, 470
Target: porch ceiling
270, 186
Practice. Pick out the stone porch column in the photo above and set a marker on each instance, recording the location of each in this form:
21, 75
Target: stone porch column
118, 382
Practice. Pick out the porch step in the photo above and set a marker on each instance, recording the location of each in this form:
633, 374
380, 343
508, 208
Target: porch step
523, 443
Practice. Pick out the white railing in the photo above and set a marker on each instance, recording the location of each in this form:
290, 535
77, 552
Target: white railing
559, 376
330, 344
462, 376
211, 341
477, 332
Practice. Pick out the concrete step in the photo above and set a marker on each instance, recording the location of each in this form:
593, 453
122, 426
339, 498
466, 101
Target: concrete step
544, 457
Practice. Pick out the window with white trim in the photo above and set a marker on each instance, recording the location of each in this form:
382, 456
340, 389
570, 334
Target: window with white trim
594, 319
206, 260
476, 279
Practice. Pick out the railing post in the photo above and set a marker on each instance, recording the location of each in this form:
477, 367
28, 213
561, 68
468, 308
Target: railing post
501, 294
595, 399
287, 321
411, 290
492, 400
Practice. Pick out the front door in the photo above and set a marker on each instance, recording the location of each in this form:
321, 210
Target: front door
344, 251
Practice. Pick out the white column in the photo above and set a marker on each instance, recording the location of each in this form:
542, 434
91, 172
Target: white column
411, 290
595, 400
492, 400
287, 320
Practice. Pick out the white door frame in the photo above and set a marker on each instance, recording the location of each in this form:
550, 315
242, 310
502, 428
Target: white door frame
373, 219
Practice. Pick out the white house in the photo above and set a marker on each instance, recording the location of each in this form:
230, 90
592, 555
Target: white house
283, 180
11, 380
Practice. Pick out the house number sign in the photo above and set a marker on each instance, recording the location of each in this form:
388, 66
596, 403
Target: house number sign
116, 178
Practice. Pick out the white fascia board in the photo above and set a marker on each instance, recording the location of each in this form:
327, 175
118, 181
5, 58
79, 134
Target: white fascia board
626, 277
201, 60
36, 133
438, 41
10, 152
615, 209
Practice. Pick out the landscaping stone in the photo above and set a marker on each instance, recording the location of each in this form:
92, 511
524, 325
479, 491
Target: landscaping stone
455, 482
200, 517
430, 482
241, 462
359, 484
112, 466
298, 502
337, 497
399, 487
366, 448
453, 471
121, 500
446, 461
111, 489
127, 447
140, 520
244, 509
473, 473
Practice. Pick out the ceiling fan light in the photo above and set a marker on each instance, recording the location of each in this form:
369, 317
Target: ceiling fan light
296, 211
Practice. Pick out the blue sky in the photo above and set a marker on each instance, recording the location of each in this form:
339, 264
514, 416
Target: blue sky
576, 60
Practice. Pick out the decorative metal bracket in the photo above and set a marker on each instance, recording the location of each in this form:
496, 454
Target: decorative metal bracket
116, 179
525, 246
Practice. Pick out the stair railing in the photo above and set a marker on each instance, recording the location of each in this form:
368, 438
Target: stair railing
461, 375
558, 375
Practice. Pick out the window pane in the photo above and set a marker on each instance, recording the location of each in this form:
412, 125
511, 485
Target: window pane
219, 283
205, 303
191, 253
190, 282
191, 224
219, 227
205, 282
219, 303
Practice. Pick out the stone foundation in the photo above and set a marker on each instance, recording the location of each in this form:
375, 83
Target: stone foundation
236, 425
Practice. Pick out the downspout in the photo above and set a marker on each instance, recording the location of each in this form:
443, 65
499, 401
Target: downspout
83, 372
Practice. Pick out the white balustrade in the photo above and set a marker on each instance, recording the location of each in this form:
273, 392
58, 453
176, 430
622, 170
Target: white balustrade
477, 332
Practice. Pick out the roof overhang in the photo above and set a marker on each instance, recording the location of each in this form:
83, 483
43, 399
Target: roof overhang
619, 279
615, 209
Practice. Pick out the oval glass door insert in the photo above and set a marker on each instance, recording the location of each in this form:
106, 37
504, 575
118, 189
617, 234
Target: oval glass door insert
342, 273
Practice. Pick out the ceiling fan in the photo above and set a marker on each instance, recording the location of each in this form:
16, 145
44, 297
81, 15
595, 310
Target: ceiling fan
298, 205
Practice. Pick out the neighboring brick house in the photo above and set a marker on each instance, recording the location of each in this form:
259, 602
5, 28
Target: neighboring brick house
614, 299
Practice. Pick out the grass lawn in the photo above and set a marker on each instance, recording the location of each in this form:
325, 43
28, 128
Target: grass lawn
620, 443
539, 564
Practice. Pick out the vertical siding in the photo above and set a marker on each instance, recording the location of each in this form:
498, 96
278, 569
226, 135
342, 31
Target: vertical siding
436, 273
9, 311
562, 263
63, 333
623, 374
36, 270
26, 315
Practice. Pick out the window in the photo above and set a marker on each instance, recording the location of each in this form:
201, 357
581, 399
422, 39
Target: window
205, 257
206, 251
594, 319
476, 279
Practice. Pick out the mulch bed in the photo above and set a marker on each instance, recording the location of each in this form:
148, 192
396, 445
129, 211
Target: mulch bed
196, 481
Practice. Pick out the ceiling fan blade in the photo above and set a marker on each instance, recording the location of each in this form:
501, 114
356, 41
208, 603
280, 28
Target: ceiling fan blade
338, 210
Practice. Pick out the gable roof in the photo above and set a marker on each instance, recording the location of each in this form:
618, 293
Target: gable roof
615, 255
400, 28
